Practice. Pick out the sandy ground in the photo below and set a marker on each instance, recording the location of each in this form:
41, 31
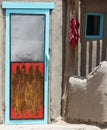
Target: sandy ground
79, 126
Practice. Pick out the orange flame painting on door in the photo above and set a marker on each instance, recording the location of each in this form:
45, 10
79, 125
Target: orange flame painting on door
27, 90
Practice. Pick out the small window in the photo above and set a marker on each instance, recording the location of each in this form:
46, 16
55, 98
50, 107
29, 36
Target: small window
94, 25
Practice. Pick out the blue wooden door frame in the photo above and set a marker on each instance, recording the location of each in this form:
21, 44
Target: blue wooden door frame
26, 8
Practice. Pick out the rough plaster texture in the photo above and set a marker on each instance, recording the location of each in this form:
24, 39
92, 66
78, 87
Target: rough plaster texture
55, 69
56, 60
87, 98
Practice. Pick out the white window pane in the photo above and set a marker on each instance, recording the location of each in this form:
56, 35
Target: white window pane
27, 37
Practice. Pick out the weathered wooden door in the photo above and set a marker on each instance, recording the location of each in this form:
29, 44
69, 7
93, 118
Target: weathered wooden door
27, 48
27, 66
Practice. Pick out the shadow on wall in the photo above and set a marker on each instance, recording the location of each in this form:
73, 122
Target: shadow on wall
92, 53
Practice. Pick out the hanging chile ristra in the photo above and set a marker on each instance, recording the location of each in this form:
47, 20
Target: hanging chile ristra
73, 32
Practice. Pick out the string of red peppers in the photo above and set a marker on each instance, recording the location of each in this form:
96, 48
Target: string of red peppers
73, 32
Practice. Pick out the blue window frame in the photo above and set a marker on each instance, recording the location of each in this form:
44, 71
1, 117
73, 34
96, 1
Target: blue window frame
94, 25
26, 8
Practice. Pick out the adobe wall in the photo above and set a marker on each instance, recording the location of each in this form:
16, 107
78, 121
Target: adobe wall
55, 66
87, 97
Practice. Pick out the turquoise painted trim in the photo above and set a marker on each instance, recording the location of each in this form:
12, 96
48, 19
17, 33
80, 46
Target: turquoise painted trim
7, 78
28, 11
7, 68
26, 122
101, 26
28, 5
46, 66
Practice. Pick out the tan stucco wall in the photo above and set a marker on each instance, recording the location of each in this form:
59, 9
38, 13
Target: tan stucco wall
56, 60
87, 99
55, 66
